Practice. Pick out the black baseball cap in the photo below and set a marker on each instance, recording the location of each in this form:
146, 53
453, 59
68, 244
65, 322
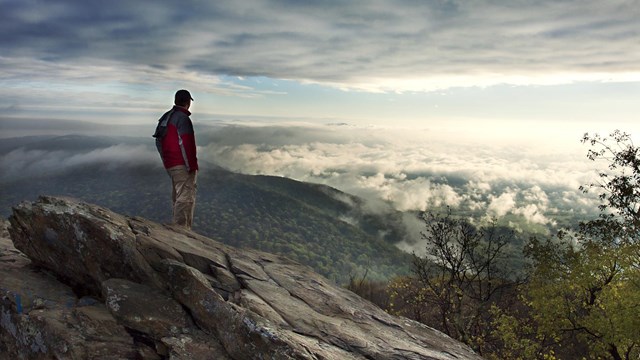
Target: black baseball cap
182, 96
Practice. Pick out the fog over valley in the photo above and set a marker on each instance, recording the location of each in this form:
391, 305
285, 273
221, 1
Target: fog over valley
409, 171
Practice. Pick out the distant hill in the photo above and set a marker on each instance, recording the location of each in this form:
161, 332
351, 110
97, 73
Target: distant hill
64, 143
313, 224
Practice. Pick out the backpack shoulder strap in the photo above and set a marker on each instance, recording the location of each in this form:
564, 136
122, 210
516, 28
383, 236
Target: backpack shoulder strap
161, 129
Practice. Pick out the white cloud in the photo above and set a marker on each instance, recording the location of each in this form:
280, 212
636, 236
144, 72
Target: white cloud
533, 214
500, 206
21, 163
388, 168
413, 175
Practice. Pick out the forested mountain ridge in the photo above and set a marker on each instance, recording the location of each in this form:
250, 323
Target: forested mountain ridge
313, 224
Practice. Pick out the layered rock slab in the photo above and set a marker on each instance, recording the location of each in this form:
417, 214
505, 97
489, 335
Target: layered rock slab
42, 318
234, 303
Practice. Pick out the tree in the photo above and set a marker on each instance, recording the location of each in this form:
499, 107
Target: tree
455, 284
584, 291
618, 188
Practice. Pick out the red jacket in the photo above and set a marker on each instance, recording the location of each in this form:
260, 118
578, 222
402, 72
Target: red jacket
178, 145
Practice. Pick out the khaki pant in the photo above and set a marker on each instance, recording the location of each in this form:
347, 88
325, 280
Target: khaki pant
183, 195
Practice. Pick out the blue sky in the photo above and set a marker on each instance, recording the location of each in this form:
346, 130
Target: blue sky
512, 84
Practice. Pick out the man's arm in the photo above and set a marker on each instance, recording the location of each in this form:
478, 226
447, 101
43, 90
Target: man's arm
187, 141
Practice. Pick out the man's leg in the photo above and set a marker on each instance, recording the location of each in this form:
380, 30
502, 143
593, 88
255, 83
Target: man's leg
191, 204
184, 195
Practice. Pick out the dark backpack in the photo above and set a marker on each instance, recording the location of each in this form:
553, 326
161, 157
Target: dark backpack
161, 129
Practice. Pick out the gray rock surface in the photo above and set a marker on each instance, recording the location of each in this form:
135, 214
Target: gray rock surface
84, 282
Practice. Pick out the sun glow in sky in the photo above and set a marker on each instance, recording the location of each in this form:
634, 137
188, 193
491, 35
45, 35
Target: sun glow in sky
531, 76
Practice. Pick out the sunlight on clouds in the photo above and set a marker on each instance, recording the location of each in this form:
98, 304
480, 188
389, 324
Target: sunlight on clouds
376, 46
533, 214
535, 200
500, 205
407, 195
419, 176
421, 83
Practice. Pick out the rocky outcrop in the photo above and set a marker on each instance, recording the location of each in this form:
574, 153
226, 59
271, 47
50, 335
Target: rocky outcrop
83, 282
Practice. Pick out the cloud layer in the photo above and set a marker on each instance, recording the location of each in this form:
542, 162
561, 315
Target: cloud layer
531, 191
414, 173
21, 163
369, 45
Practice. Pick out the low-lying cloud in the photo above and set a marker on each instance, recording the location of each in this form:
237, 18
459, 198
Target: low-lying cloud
22, 163
388, 168
414, 174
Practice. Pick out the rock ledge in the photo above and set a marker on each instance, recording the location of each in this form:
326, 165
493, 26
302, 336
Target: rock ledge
84, 282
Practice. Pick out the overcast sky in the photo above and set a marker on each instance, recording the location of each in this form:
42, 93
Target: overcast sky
374, 61
474, 89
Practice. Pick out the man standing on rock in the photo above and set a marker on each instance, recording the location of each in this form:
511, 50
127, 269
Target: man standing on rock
176, 144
